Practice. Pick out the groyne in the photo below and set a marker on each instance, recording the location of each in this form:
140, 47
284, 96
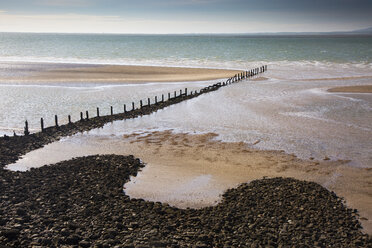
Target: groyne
12, 147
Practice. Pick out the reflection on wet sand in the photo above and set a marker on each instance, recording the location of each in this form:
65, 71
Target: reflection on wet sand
194, 170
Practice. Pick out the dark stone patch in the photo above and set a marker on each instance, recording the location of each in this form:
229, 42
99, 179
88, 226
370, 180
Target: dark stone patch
81, 202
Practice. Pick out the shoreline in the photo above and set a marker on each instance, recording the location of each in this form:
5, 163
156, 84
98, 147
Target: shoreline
352, 89
96, 73
193, 170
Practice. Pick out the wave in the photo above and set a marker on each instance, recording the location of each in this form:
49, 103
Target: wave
193, 63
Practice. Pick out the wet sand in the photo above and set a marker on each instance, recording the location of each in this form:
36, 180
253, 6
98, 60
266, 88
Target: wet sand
114, 74
352, 89
194, 170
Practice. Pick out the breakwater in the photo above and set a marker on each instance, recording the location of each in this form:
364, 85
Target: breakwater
11, 147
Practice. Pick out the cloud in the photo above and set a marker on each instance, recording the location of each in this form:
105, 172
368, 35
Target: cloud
64, 3
85, 23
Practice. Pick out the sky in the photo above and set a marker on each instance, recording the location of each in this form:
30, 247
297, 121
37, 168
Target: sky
184, 16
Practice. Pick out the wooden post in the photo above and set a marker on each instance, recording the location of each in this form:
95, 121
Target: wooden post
132, 106
140, 103
69, 119
156, 99
112, 110
148, 101
181, 93
97, 112
174, 94
185, 91
42, 124
169, 97
56, 120
87, 114
125, 108
26, 128
81, 116
162, 97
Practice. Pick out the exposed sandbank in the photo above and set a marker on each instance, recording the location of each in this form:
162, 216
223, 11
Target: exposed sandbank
188, 165
193, 170
118, 74
352, 89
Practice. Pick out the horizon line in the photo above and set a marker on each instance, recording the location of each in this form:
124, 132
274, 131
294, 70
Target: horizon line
353, 32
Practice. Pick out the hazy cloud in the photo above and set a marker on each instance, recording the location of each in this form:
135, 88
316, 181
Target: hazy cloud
191, 16
64, 3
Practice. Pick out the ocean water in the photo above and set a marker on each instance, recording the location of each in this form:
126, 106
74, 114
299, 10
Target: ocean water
219, 51
288, 108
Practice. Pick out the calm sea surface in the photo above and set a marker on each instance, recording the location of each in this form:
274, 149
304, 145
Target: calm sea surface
289, 109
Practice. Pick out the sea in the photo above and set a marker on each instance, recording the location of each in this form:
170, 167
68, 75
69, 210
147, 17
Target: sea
286, 108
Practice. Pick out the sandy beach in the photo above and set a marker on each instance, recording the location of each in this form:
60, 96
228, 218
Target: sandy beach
72, 73
193, 171
352, 89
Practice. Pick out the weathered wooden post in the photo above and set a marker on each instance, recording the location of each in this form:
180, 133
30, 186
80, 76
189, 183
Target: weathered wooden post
169, 97
97, 112
56, 120
180, 93
26, 128
132, 105
141, 104
81, 116
156, 99
185, 91
42, 124
69, 119
87, 114
148, 101
174, 94
125, 108
112, 110
162, 97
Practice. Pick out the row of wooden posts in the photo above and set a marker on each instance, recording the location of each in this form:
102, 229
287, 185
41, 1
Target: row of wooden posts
234, 79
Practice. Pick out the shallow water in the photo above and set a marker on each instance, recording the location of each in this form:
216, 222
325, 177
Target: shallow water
299, 117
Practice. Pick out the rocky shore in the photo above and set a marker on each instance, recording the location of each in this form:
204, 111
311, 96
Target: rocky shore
81, 203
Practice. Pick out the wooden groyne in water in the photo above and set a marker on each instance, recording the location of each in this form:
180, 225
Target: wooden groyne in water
11, 147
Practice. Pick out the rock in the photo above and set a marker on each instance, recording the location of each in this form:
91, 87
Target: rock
10, 233
81, 202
